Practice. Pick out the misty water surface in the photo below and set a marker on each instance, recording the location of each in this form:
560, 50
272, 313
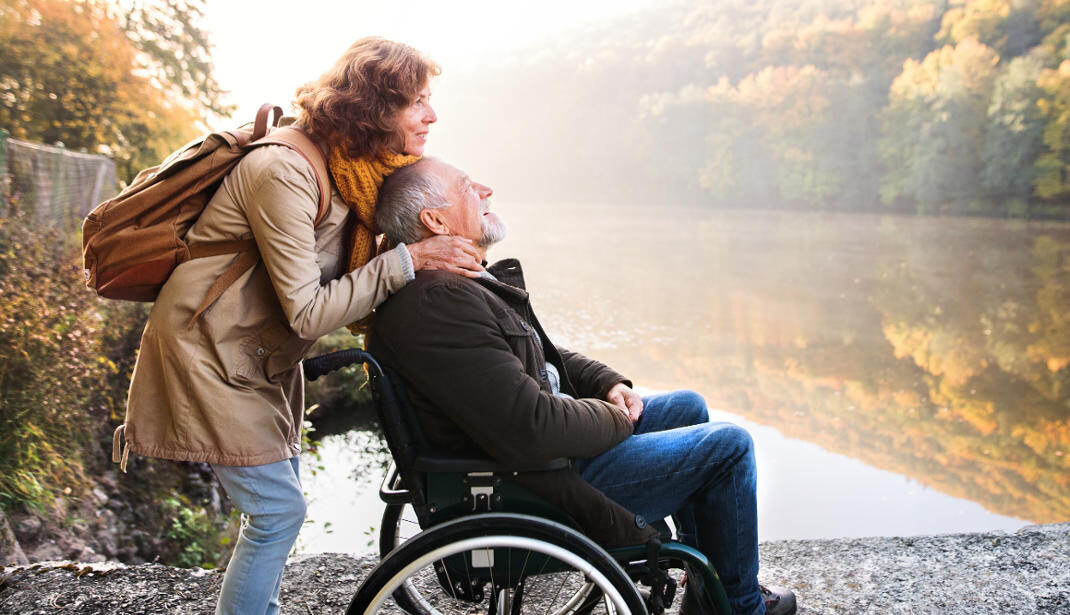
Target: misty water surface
901, 375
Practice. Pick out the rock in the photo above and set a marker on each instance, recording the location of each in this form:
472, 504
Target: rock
99, 494
89, 556
47, 551
29, 528
143, 541
110, 481
10, 549
109, 541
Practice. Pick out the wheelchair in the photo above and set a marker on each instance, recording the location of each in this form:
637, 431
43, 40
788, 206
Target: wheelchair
458, 537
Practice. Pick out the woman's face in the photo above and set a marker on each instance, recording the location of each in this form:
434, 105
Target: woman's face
414, 122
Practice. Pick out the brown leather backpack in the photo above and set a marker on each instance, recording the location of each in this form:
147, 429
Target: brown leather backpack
132, 242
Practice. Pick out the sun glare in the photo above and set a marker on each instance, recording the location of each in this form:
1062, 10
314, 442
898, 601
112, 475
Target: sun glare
265, 50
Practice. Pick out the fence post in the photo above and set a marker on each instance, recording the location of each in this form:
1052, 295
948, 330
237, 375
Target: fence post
54, 212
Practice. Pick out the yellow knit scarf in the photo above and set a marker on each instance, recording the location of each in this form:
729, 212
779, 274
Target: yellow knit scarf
358, 182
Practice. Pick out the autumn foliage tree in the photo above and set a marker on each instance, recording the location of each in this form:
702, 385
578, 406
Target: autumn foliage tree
71, 73
176, 51
133, 89
951, 106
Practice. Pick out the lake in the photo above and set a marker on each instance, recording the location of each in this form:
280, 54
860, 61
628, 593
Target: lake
900, 375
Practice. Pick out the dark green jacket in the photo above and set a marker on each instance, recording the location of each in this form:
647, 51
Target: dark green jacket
475, 348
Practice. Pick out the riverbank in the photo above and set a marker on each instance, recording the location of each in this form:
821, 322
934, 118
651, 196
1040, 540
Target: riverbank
1003, 573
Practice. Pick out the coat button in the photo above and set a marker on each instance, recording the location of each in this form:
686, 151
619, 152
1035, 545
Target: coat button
523, 325
259, 352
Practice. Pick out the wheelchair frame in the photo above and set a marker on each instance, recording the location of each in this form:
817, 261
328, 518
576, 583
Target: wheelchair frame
468, 512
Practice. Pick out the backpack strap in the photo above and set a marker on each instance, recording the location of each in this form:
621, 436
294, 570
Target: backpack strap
247, 257
240, 265
296, 140
260, 126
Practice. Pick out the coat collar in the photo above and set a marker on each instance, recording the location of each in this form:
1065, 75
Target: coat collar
508, 281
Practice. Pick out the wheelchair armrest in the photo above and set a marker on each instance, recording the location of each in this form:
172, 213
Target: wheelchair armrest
391, 490
436, 462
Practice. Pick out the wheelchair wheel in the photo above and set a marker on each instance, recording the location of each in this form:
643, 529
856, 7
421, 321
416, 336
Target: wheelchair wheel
497, 563
400, 524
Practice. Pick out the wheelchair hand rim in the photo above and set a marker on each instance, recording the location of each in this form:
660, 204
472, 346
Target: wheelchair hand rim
518, 542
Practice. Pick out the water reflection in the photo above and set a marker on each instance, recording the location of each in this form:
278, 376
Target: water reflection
931, 347
902, 375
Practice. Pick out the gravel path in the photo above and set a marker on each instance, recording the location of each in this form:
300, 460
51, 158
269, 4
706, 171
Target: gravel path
1003, 573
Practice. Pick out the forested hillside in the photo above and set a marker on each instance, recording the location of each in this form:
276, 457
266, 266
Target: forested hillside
922, 106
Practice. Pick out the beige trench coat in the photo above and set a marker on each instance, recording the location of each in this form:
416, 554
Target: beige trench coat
229, 389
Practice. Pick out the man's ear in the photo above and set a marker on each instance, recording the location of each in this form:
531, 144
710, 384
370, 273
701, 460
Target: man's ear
435, 221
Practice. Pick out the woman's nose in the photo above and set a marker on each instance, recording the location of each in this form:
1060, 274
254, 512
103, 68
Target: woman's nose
430, 117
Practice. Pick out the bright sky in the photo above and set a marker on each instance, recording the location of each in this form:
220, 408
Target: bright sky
265, 49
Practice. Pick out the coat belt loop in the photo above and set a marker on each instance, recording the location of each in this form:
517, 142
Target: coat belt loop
118, 446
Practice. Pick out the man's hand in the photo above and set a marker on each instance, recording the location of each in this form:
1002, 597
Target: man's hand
623, 396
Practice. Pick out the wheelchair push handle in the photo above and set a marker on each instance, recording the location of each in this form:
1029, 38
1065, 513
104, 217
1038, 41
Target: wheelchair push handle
326, 363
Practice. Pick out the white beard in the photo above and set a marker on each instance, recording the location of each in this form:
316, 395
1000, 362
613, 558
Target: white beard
494, 228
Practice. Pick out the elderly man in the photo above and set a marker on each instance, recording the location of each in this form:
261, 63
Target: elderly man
484, 375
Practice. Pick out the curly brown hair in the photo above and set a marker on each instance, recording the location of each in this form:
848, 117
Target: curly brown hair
356, 100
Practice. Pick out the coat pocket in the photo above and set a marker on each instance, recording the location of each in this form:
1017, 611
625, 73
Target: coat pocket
255, 350
524, 342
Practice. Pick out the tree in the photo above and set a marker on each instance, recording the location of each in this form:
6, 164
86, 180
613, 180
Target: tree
177, 50
1053, 164
68, 74
1012, 141
977, 19
934, 126
63, 72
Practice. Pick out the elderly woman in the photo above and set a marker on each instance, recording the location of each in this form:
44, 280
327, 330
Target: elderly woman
226, 387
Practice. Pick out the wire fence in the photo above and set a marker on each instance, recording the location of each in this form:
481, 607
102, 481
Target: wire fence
54, 184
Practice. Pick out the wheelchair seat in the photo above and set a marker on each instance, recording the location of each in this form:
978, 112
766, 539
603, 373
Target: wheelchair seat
459, 536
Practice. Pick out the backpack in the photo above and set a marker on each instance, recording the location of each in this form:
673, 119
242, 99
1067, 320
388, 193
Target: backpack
132, 242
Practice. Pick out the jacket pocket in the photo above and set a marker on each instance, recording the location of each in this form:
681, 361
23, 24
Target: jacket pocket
256, 349
524, 342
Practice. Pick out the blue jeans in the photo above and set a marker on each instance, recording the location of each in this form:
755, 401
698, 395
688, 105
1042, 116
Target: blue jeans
271, 499
679, 463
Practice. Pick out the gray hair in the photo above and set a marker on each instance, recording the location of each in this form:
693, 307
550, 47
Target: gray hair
403, 195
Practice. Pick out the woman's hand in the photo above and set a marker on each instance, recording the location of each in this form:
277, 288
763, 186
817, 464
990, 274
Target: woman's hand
446, 253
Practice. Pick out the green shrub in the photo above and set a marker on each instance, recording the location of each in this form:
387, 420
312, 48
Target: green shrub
51, 366
199, 540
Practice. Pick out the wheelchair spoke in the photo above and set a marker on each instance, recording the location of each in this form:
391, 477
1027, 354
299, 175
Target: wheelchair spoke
564, 580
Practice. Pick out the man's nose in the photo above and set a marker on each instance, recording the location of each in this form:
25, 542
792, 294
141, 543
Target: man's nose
483, 191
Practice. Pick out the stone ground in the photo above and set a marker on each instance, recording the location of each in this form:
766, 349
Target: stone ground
1003, 573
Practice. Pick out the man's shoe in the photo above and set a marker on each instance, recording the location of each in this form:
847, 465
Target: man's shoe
778, 601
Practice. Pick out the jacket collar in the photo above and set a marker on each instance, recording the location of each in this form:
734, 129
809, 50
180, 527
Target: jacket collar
508, 280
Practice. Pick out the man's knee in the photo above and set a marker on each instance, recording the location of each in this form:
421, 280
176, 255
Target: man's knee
731, 444
688, 407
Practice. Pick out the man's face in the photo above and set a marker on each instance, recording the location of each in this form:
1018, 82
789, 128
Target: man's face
468, 215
